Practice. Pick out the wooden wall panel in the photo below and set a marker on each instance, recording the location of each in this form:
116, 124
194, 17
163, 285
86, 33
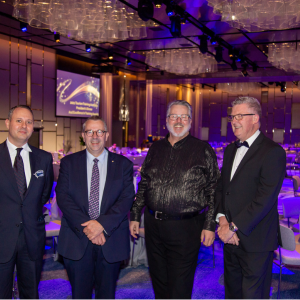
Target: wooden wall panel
4, 93
37, 54
36, 74
22, 52
49, 99
4, 52
14, 76
14, 95
36, 96
49, 141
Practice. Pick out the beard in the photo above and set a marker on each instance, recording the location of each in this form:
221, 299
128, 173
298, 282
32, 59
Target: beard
185, 130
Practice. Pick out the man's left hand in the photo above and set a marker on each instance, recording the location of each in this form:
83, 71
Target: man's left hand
92, 229
207, 237
224, 233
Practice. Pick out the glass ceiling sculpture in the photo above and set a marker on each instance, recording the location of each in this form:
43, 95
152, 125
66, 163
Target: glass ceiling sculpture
237, 87
181, 61
254, 15
90, 21
285, 56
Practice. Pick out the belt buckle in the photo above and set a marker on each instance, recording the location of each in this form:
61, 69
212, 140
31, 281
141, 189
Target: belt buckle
156, 217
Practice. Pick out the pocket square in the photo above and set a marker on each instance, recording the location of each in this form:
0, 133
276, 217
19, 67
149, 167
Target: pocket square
39, 173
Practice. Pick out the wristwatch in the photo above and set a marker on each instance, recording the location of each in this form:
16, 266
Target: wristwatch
232, 227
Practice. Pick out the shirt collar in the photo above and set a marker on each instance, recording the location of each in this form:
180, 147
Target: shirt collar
12, 147
180, 142
252, 138
91, 157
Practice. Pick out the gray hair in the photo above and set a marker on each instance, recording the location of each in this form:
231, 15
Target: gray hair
180, 102
252, 103
18, 106
94, 118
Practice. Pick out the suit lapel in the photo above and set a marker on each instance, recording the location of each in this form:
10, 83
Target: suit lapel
6, 166
34, 160
82, 174
249, 154
111, 167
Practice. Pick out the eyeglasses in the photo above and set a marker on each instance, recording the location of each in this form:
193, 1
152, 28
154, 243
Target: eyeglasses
237, 117
183, 117
99, 132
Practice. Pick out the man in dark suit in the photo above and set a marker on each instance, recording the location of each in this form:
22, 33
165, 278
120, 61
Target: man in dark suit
26, 178
95, 192
252, 174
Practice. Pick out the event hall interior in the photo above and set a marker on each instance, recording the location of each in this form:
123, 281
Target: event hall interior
127, 60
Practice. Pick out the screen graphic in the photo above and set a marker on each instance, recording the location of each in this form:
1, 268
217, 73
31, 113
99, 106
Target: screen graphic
77, 95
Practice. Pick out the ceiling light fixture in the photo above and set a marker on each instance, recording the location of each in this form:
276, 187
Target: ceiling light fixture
175, 26
110, 55
169, 10
203, 43
23, 26
57, 37
88, 48
128, 62
219, 54
157, 3
145, 10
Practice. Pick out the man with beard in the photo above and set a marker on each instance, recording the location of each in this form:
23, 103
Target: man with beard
179, 178
95, 192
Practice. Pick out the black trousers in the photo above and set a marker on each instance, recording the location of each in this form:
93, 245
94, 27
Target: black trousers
247, 275
28, 272
172, 249
92, 269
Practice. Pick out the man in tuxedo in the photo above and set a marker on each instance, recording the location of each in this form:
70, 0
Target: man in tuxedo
94, 192
26, 178
252, 174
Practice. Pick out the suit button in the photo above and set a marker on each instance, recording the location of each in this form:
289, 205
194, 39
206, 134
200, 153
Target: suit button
17, 225
227, 193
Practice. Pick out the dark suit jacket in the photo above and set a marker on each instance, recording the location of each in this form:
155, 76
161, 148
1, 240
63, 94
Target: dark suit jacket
29, 211
73, 200
251, 196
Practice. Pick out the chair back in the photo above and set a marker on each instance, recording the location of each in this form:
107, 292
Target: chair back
291, 207
287, 238
296, 184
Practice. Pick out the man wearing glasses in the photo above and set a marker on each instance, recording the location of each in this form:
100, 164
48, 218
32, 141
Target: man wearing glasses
247, 194
179, 178
95, 192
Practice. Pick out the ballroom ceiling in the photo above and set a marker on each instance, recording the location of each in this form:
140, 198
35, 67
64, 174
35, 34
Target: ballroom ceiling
253, 46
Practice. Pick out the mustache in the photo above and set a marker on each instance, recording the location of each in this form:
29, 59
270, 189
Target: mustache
178, 124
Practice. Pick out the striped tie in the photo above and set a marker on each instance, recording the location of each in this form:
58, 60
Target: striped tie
94, 193
20, 174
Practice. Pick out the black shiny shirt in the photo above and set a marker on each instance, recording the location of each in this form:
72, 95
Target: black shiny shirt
178, 179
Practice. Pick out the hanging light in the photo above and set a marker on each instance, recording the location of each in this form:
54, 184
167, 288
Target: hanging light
57, 37
23, 26
88, 48
219, 54
175, 26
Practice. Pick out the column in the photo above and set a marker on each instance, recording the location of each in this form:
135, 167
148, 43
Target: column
149, 89
106, 103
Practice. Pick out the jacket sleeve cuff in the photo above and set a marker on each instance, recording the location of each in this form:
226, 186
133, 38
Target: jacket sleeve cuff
210, 225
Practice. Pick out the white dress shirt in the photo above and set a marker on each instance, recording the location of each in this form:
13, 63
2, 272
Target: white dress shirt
12, 149
240, 153
102, 166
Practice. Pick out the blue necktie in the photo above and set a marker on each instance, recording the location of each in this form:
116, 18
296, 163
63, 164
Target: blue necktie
239, 144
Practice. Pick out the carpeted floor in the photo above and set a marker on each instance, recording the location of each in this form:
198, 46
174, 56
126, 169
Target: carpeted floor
135, 283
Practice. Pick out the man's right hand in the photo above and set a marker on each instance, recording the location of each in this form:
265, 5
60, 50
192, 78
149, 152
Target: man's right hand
134, 228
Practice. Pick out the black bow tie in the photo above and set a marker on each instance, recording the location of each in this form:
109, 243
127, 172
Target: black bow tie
239, 144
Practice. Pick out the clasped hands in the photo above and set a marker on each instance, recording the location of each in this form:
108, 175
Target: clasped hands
94, 231
225, 234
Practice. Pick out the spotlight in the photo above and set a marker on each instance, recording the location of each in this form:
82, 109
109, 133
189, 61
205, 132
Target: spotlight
110, 55
57, 37
128, 62
175, 26
203, 43
169, 10
145, 10
87, 47
244, 71
230, 52
283, 87
157, 3
219, 54
147, 68
23, 26
233, 65
238, 59
254, 68
213, 40
162, 73
183, 20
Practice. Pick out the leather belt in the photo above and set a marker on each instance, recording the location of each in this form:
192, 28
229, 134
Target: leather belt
162, 216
